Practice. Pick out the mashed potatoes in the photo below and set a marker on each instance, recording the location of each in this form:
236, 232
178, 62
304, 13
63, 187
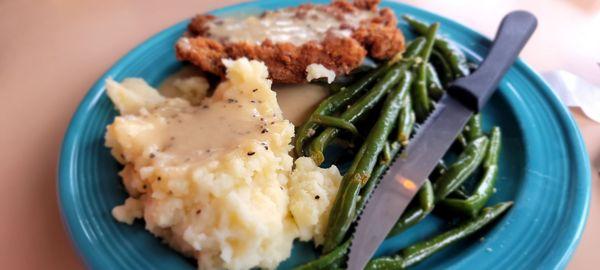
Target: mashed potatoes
215, 180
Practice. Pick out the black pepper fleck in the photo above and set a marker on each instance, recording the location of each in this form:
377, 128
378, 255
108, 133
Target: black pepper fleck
159, 178
317, 197
198, 211
144, 186
152, 155
254, 90
264, 131
251, 153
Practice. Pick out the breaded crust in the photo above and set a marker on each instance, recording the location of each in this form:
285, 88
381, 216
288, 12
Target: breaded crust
378, 37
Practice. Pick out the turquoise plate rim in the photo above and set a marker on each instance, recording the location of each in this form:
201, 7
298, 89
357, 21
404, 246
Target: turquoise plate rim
69, 210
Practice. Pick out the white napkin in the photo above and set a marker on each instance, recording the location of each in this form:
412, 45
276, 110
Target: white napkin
575, 92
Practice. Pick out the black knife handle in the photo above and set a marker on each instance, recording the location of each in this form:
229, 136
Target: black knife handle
514, 31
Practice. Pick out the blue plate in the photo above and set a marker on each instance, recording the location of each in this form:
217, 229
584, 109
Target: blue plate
544, 169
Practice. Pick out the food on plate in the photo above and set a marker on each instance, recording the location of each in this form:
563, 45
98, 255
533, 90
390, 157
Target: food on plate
407, 87
337, 36
295, 100
187, 83
215, 181
317, 71
220, 173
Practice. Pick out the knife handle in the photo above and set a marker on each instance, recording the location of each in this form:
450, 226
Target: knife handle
476, 89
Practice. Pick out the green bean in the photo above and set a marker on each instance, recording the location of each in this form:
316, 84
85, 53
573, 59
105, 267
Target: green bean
383, 126
343, 210
485, 188
419, 26
418, 212
473, 128
494, 150
359, 154
406, 121
425, 195
334, 87
420, 251
375, 175
434, 86
325, 261
453, 55
458, 172
345, 80
414, 47
336, 122
419, 95
332, 104
364, 68
354, 112
442, 68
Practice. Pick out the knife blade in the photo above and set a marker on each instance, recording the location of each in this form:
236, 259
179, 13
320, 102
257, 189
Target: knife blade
408, 172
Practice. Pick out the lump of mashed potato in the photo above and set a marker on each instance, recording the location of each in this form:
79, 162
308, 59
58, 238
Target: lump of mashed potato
316, 71
312, 191
215, 180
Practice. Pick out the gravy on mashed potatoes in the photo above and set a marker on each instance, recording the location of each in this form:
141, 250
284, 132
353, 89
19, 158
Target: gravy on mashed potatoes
214, 179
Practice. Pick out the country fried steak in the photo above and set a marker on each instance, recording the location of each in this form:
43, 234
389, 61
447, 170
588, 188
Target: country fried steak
338, 36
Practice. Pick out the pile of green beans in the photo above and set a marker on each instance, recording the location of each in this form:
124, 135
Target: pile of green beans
343, 210
399, 96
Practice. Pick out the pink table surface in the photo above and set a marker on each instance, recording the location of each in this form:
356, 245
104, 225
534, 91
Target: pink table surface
52, 51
